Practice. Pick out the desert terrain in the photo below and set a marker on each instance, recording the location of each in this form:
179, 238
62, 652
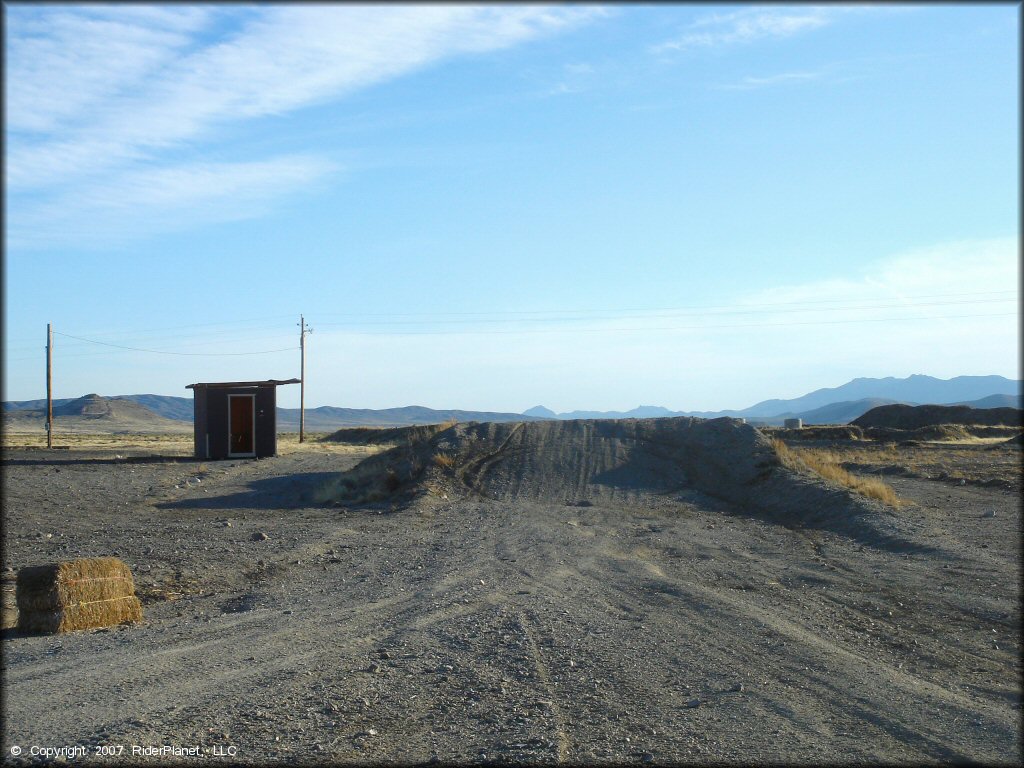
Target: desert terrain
657, 592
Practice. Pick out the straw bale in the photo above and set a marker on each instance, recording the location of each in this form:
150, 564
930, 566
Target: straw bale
40, 577
102, 613
76, 594
63, 593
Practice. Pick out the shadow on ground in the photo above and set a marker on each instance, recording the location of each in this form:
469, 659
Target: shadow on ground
288, 492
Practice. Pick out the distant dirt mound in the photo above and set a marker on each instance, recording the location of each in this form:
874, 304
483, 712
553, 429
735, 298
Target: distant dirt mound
385, 435
620, 461
916, 416
822, 432
939, 432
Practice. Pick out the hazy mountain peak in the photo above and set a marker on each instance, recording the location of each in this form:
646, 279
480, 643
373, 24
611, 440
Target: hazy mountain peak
541, 412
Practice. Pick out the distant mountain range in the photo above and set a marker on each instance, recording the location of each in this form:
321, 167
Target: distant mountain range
840, 405
837, 405
168, 412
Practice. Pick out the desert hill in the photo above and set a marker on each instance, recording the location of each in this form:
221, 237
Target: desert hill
93, 413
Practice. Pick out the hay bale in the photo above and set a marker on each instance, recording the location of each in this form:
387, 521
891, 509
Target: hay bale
76, 594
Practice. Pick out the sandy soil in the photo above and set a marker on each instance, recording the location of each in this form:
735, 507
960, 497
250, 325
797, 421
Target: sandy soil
661, 627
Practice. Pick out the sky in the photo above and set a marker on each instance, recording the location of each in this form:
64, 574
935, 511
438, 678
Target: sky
501, 206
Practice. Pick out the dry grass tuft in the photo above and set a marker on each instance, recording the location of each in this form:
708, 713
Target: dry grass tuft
444, 460
827, 465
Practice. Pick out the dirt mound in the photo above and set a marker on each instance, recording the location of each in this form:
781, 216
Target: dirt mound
939, 432
916, 416
822, 432
930, 432
386, 435
601, 461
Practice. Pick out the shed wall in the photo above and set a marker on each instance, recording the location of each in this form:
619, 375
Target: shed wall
199, 423
211, 420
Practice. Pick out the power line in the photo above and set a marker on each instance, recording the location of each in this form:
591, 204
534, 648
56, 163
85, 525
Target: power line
266, 321
767, 306
166, 352
646, 329
679, 313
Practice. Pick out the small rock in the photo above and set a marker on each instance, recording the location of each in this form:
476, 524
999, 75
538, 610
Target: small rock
990, 513
374, 668
259, 536
692, 703
738, 688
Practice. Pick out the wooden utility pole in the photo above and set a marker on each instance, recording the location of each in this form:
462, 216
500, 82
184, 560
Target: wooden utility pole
49, 386
302, 377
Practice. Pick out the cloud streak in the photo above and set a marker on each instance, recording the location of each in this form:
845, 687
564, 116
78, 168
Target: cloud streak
160, 199
783, 78
750, 25
98, 95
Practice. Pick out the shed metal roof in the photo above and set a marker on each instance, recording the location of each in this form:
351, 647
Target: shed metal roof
226, 384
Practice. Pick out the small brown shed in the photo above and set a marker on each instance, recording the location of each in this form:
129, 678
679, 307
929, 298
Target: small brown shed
236, 419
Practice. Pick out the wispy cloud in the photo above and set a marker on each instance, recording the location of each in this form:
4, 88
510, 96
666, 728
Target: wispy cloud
161, 199
783, 78
749, 25
96, 95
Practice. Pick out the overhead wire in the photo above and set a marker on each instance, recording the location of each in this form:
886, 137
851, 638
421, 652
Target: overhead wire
524, 316
765, 306
679, 313
675, 327
168, 352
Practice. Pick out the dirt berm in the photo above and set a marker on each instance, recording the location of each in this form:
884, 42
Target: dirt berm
622, 462
898, 416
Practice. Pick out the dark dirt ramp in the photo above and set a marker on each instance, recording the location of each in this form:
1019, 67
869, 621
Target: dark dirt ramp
620, 461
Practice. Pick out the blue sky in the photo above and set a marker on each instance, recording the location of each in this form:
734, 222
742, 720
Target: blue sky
495, 207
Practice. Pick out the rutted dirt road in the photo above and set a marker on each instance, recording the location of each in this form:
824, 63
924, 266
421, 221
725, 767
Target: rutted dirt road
662, 629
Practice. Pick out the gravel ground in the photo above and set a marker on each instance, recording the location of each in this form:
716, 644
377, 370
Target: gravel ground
672, 629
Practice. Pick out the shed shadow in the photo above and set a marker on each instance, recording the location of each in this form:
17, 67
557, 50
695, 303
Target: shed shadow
288, 492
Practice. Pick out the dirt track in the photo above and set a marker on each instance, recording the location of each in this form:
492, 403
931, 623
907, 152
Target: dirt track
528, 631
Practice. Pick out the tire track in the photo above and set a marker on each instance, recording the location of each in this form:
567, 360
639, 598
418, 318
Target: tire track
563, 742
